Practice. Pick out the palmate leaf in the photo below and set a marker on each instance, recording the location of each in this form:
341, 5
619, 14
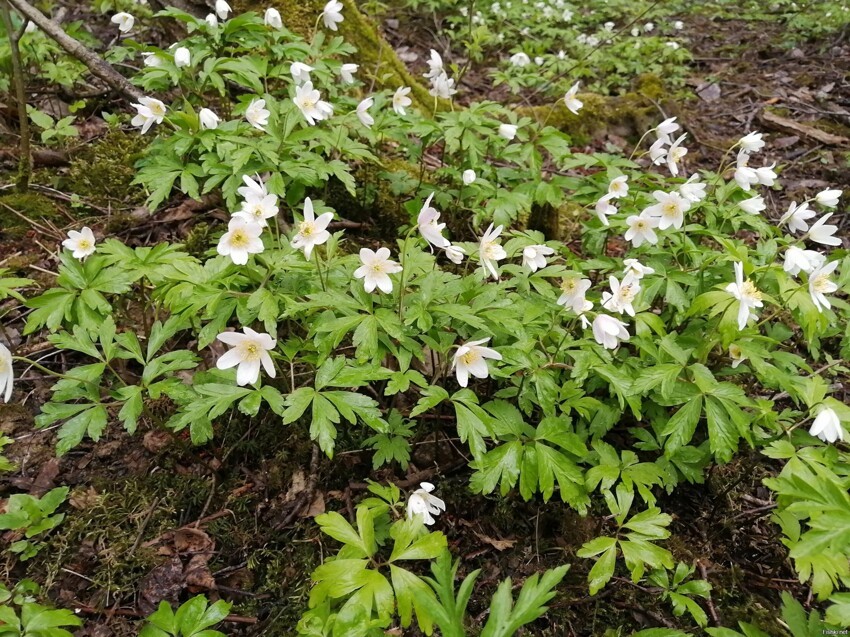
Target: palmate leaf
507, 617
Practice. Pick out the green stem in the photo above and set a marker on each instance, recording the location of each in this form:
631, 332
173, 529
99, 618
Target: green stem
38, 366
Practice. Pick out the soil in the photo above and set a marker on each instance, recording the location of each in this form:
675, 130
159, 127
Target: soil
153, 518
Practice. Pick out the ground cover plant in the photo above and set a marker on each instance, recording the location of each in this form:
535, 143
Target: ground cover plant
396, 330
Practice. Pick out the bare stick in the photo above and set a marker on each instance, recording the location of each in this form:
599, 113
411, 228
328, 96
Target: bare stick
25, 160
95, 64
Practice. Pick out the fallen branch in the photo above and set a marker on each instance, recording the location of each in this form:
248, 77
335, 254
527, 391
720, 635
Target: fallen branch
95, 64
25, 160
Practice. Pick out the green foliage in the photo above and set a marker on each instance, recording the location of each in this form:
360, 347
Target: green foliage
634, 541
681, 593
33, 518
373, 578
194, 618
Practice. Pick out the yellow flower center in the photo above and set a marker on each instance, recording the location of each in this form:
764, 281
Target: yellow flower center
84, 244
251, 352
821, 283
239, 239
641, 225
670, 209
627, 293
306, 228
751, 291
470, 357
568, 285
735, 351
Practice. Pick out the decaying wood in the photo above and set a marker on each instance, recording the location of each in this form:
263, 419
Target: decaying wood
95, 64
785, 124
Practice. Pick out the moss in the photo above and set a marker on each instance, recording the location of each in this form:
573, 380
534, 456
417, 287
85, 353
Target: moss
626, 115
103, 172
377, 58
28, 204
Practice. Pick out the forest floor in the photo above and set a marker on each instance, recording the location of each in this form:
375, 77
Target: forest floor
151, 517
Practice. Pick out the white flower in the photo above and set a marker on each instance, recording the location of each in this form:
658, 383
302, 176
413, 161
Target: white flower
151, 59
312, 231
667, 127
765, 175
797, 259
376, 270
308, 100
827, 426
182, 57
737, 355
332, 14
636, 269
605, 209
429, 228
7, 373
209, 120
468, 177
796, 217
693, 189
609, 331
753, 205
241, 239
455, 253
820, 285
641, 229
622, 295
572, 103
747, 294
300, 72
222, 9
423, 504
573, 289
272, 18
31, 27
81, 244
670, 209
211, 20
401, 100
745, 176
249, 351
258, 209
257, 115
520, 60
470, 358
828, 198
442, 86
649, 26
347, 71
658, 150
672, 45
490, 251
678, 25
534, 256
148, 112
824, 234
253, 190
751, 142
675, 154
363, 112
508, 131
435, 65
619, 187
125, 21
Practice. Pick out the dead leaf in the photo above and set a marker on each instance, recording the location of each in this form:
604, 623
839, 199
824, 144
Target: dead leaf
84, 499
499, 545
709, 92
317, 507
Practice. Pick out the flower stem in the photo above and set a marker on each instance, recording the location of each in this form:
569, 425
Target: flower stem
38, 366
